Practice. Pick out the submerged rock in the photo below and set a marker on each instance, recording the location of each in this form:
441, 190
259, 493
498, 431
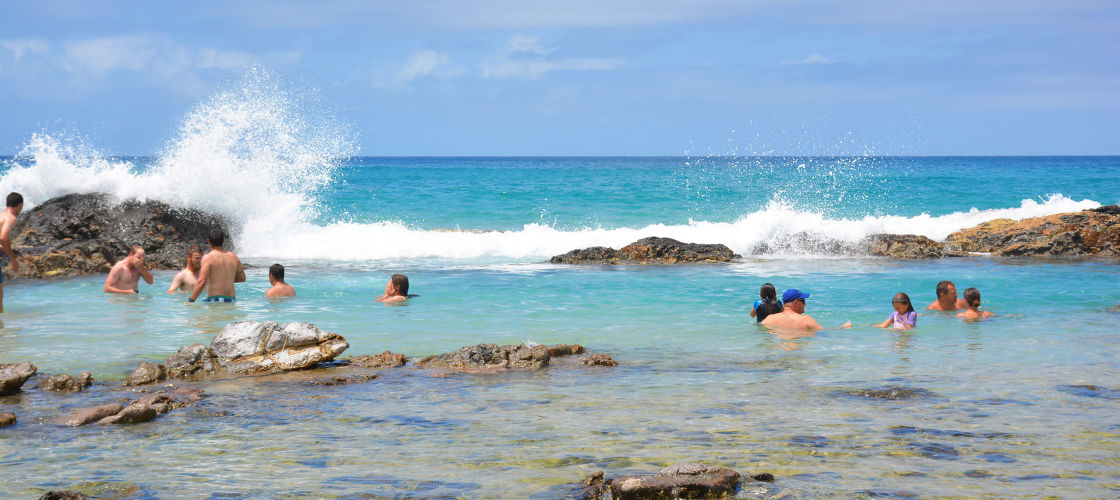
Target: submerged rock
489, 357
592, 488
651, 250
678, 481
247, 348
86, 233
892, 393
66, 383
83, 416
142, 409
12, 376
63, 495
384, 360
1089, 232
598, 359
7, 418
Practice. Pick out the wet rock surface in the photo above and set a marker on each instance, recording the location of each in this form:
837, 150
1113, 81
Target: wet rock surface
489, 357
598, 359
66, 383
142, 409
7, 418
678, 481
146, 373
558, 350
86, 233
12, 376
591, 488
1089, 232
385, 359
651, 250
904, 246
889, 393
63, 495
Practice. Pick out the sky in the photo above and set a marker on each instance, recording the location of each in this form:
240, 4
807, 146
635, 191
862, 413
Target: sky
582, 77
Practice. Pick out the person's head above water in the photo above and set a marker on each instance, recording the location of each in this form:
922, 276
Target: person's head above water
14, 199
945, 289
972, 296
194, 257
767, 292
400, 283
276, 272
903, 299
794, 300
217, 238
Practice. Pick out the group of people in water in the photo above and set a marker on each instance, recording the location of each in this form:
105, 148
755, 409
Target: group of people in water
789, 312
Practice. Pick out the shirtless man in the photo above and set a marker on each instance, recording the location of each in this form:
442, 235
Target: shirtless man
396, 289
220, 270
793, 317
7, 224
185, 280
947, 298
124, 277
279, 287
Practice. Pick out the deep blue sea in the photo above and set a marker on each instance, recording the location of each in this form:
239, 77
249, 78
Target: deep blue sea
1003, 414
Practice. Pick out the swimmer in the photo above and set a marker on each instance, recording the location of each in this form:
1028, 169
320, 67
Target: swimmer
793, 317
220, 270
7, 225
185, 280
124, 276
396, 290
972, 297
947, 298
767, 304
903, 316
279, 288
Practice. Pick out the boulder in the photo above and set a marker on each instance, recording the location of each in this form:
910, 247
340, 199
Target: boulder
189, 360
142, 409
489, 357
7, 418
598, 359
903, 246
83, 416
678, 481
66, 383
12, 376
558, 350
86, 233
384, 360
134, 413
146, 373
1089, 232
651, 250
592, 488
250, 347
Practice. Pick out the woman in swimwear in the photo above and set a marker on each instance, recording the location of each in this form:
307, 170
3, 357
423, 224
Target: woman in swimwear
903, 316
972, 297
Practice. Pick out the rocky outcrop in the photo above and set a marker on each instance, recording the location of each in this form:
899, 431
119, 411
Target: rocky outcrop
592, 488
66, 383
12, 376
142, 409
489, 357
558, 350
1089, 232
86, 233
903, 246
7, 418
678, 481
598, 359
652, 250
384, 360
246, 348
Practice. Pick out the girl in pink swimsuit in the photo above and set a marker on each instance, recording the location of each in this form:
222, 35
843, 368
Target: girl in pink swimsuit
903, 316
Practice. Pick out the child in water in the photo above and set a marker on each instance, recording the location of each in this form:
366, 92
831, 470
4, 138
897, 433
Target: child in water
903, 316
767, 304
973, 313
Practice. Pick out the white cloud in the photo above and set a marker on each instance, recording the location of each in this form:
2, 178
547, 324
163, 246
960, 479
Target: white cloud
422, 64
525, 57
101, 55
813, 58
20, 47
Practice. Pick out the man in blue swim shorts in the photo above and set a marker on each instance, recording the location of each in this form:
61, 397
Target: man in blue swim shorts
7, 224
220, 270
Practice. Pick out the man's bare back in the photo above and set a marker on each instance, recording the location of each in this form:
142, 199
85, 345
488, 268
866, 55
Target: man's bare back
220, 270
790, 320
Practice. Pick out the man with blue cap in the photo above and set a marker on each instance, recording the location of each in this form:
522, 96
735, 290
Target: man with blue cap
793, 316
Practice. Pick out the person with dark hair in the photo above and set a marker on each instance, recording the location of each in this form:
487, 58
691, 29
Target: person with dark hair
279, 287
7, 225
903, 316
185, 280
124, 276
396, 289
972, 298
220, 270
767, 304
793, 317
946, 298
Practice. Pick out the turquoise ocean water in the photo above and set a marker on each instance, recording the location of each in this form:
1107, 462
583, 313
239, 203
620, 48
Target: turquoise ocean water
697, 381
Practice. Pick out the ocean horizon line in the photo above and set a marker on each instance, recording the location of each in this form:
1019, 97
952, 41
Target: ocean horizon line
515, 157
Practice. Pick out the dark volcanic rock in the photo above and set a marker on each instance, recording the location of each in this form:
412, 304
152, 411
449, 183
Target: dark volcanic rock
12, 376
86, 233
63, 495
66, 383
488, 357
1089, 232
652, 250
904, 246
598, 359
7, 418
384, 360
678, 481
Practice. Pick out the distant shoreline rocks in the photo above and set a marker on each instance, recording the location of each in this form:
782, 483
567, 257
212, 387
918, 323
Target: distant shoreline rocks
652, 250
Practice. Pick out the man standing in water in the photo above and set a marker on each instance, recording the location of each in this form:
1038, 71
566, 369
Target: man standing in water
220, 270
793, 317
947, 298
124, 277
7, 225
185, 280
279, 288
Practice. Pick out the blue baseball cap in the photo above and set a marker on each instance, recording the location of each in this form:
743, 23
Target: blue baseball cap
793, 294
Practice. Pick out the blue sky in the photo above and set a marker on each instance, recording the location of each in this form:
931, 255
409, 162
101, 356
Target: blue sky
584, 77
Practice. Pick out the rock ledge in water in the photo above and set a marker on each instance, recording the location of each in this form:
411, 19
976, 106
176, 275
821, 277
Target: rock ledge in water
678, 481
651, 250
12, 376
66, 383
86, 233
489, 357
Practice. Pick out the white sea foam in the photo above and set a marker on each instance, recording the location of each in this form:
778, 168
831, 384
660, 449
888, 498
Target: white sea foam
272, 157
